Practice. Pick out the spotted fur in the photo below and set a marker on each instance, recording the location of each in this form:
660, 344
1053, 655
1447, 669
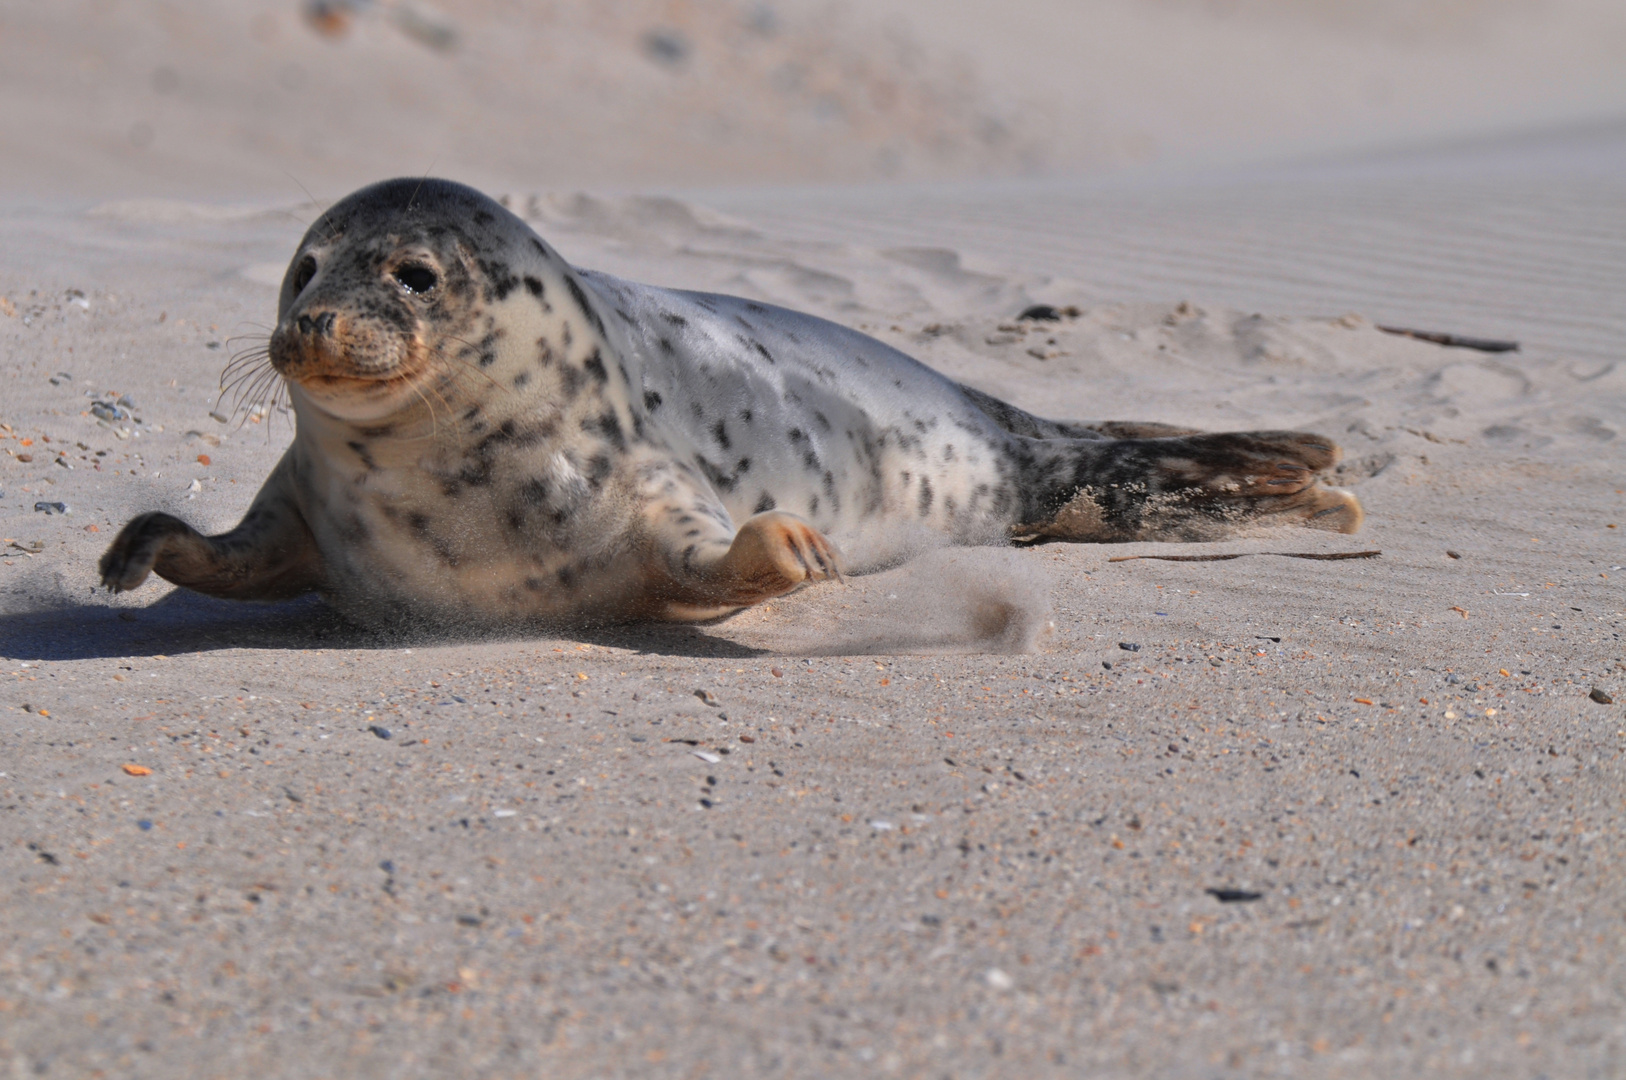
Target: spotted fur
488, 435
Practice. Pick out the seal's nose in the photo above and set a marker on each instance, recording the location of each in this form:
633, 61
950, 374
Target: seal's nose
319, 325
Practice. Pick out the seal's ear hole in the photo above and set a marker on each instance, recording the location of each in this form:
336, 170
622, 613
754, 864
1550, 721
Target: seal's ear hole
303, 274
416, 277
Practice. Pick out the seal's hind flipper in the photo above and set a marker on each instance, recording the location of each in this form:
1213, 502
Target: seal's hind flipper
1188, 487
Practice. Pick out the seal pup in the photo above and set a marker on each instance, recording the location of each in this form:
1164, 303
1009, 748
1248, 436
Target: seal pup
488, 436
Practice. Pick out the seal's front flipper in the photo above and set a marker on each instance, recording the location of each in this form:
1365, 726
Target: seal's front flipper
270, 555
1191, 487
771, 554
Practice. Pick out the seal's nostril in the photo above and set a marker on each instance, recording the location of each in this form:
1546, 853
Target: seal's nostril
319, 325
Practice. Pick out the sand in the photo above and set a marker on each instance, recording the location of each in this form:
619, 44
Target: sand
1324, 818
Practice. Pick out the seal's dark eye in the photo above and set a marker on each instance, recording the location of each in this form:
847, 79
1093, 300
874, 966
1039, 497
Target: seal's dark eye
303, 274
416, 277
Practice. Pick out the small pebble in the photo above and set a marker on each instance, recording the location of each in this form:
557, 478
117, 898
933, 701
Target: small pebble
1600, 697
1041, 313
709, 698
1234, 896
998, 979
709, 758
49, 508
1129, 646
381, 731
1107, 664
144, 825
504, 813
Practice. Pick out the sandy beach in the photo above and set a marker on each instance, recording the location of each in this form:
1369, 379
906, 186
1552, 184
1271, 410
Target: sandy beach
1255, 816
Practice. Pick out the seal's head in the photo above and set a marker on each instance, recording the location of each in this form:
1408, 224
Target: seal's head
380, 305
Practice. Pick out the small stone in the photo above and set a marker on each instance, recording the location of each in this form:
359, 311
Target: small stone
706, 756
1041, 313
709, 698
1600, 697
666, 46
1129, 646
144, 825
998, 979
49, 508
381, 731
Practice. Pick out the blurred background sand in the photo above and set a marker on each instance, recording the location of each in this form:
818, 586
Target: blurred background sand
257, 98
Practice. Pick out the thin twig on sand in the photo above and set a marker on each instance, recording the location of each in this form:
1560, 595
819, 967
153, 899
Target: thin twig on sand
1327, 556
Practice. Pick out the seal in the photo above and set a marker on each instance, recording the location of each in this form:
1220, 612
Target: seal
486, 435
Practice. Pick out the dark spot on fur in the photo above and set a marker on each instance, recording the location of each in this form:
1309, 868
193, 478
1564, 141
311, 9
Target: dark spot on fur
652, 400
763, 349
765, 504
361, 452
521, 379
534, 285
599, 468
813, 505
595, 367
611, 428
581, 302
719, 432
674, 318
534, 492
925, 496
571, 380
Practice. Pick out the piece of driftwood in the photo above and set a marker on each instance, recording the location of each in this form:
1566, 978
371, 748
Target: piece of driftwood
1455, 341
1327, 556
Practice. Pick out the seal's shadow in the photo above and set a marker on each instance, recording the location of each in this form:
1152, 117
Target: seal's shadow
187, 622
